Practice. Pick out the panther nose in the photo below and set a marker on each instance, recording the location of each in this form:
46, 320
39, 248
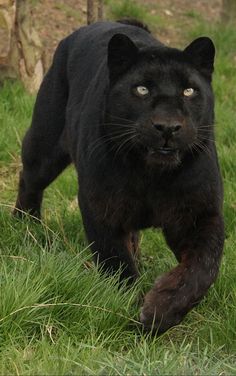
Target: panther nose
167, 130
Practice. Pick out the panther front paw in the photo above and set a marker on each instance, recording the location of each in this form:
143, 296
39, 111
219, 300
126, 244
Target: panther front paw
156, 321
166, 304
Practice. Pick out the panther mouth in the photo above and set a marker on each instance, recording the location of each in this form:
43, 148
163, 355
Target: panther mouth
161, 151
165, 156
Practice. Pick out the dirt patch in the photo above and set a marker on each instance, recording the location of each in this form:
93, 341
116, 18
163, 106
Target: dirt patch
179, 16
55, 19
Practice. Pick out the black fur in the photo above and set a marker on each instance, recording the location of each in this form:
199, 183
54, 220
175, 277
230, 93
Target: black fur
114, 103
134, 22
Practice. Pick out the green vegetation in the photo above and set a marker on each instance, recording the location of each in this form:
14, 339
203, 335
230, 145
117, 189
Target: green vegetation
58, 315
130, 9
126, 8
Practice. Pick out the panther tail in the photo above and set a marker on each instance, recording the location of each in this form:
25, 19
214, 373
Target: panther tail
134, 22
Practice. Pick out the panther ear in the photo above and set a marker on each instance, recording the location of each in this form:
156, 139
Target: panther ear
122, 53
201, 53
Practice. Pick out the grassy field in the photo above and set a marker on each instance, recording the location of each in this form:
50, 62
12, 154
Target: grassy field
59, 316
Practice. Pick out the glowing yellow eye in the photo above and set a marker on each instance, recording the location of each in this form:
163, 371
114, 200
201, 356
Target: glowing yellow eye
141, 91
188, 92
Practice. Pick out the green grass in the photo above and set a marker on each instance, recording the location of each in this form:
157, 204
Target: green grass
126, 8
59, 316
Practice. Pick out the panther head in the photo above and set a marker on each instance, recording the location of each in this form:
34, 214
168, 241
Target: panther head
160, 104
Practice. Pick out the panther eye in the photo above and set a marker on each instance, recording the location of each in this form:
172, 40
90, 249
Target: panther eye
141, 91
189, 92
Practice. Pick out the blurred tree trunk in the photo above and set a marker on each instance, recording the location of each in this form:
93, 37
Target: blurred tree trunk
91, 16
20, 47
90, 11
229, 11
100, 10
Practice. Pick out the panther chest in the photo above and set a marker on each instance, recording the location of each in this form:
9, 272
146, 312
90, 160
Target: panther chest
137, 211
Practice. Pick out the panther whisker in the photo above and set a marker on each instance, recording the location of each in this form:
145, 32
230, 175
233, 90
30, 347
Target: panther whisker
108, 139
203, 138
203, 148
118, 150
210, 126
119, 117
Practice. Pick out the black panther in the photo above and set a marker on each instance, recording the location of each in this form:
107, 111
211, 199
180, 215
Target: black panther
136, 118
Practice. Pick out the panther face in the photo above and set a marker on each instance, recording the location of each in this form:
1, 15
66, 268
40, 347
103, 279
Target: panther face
159, 100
